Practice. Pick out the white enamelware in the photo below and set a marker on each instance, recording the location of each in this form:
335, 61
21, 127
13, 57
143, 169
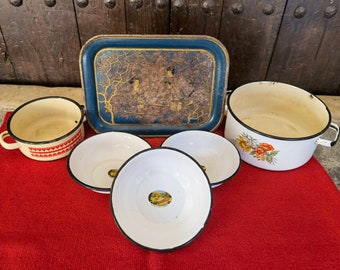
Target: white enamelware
161, 199
95, 161
46, 128
277, 126
217, 156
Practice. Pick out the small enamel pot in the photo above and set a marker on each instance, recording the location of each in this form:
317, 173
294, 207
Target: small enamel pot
45, 128
277, 126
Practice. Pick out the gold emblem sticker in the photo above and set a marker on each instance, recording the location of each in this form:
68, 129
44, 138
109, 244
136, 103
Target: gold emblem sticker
160, 198
112, 173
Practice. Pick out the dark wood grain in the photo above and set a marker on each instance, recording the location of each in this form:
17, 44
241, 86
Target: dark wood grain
7, 73
249, 36
307, 49
97, 19
196, 17
42, 42
147, 17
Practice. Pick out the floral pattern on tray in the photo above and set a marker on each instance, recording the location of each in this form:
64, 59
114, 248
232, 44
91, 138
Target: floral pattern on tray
155, 86
260, 150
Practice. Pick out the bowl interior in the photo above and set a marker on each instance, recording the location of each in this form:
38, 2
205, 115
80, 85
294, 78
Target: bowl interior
95, 162
161, 199
279, 109
217, 156
45, 119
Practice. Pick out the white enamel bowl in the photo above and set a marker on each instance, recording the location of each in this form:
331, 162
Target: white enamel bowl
46, 128
95, 162
217, 156
161, 199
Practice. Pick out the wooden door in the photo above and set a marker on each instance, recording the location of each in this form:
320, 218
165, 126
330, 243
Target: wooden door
249, 30
42, 41
307, 50
196, 17
98, 18
147, 16
7, 73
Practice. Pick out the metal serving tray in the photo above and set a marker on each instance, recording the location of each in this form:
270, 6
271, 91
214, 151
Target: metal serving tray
154, 85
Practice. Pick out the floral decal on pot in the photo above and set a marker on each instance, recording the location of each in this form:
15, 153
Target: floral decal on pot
261, 151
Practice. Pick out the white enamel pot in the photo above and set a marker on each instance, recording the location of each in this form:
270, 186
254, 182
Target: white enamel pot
45, 128
277, 126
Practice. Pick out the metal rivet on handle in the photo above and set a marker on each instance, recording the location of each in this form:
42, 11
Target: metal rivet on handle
208, 7
82, 3
136, 3
330, 11
268, 9
50, 3
300, 12
237, 8
16, 3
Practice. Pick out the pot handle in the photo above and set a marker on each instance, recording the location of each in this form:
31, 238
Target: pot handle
8, 146
328, 142
82, 107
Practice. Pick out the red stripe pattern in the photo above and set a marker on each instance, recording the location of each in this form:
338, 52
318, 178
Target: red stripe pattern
57, 150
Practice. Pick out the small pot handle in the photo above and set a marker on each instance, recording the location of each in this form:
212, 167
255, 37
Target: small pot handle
8, 146
327, 142
82, 107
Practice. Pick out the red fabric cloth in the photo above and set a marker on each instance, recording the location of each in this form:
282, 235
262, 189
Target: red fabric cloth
260, 220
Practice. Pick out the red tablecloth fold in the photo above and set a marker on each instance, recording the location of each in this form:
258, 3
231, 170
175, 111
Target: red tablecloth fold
260, 220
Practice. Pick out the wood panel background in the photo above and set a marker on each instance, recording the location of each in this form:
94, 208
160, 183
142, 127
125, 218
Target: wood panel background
96, 18
41, 43
250, 37
292, 41
308, 48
